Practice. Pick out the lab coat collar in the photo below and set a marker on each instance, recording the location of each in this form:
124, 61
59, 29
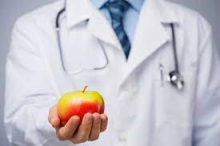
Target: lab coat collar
163, 11
81, 10
77, 11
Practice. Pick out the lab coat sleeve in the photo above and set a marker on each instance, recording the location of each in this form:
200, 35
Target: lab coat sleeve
206, 130
29, 91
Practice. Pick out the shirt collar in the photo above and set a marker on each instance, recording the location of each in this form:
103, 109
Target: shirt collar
98, 3
136, 4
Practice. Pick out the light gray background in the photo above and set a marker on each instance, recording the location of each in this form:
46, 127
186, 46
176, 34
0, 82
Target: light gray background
11, 9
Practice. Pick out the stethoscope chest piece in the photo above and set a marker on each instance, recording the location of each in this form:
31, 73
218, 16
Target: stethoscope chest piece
176, 79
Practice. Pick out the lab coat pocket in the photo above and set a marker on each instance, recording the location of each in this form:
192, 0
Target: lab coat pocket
174, 111
174, 106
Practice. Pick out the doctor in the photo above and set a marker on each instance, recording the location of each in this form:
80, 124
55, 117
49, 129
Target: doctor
126, 50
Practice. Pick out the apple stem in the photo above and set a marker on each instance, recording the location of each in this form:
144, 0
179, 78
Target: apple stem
85, 89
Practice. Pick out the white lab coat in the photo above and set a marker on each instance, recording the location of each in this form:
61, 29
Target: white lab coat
143, 108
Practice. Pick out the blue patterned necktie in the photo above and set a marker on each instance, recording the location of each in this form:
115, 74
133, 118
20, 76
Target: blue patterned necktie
117, 9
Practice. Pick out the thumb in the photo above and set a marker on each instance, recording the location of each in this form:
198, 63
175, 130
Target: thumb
53, 117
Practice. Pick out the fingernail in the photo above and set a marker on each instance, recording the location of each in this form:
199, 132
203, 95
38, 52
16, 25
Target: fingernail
75, 118
88, 117
96, 120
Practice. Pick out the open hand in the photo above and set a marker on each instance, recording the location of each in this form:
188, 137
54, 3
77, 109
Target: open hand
89, 129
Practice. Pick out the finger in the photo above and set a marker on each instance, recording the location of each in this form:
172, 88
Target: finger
53, 117
104, 122
83, 132
69, 129
95, 131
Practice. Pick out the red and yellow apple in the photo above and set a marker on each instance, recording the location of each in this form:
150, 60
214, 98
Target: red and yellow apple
78, 103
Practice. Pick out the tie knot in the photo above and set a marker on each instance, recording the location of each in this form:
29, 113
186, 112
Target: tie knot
117, 7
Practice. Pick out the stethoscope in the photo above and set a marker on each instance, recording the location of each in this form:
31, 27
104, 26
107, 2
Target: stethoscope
174, 77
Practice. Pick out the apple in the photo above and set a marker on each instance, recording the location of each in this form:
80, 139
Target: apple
78, 103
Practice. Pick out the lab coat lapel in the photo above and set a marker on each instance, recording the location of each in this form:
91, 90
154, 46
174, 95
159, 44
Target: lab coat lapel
82, 10
150, 35
101, 29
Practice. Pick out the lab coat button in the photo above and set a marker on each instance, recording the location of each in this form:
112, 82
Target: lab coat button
121, 137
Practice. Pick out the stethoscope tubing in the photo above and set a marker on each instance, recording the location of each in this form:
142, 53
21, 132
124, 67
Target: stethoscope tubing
176, 64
